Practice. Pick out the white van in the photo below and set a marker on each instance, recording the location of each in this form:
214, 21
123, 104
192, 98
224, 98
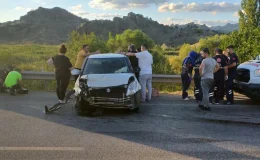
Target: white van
247, 81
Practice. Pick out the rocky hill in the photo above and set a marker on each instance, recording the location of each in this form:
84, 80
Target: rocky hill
52, 26
226, 28
170, 35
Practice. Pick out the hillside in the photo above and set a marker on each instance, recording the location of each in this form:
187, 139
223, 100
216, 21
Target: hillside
170, 35
52, 26
226, 28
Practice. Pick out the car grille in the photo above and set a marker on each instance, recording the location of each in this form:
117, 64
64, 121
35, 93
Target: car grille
109, 96
109, 101
109, 92
243, 75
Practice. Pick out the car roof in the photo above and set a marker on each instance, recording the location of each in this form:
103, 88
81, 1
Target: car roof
107, 55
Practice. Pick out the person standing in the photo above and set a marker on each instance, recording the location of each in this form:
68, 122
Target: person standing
81, 58
207, 69
197, 79
63, 69
134, 61
145, 61
232, 71
186, 74
219, 76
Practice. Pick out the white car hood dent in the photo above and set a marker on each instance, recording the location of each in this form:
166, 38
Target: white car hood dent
108, 80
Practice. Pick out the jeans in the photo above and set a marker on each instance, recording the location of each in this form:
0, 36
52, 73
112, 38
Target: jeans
146, 81
206, 84
62, 84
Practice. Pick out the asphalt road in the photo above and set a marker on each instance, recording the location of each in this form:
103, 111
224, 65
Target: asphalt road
166, 128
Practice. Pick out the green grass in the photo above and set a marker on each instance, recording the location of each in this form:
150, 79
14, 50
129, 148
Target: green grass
27, 57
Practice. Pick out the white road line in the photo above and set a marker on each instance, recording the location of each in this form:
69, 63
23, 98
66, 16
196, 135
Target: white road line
41, 148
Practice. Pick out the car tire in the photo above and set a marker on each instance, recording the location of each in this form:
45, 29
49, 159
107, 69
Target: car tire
83, 107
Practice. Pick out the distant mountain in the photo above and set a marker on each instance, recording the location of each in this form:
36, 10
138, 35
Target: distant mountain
52, 26
170, 35
226, 28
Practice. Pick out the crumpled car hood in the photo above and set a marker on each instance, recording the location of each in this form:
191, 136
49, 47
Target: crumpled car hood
108, 80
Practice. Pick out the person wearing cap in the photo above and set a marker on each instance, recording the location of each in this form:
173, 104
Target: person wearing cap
81, 58
186, 74
207, 69
219, 76
134, 60
232, 71
197, 79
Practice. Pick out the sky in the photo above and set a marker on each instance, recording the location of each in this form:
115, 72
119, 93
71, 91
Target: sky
211, 13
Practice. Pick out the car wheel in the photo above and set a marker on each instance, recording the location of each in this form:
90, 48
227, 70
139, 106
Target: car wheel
83, 107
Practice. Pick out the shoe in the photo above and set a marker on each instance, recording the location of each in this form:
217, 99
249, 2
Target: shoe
229, 103
13, 92
186, 99
200, 106
62, 101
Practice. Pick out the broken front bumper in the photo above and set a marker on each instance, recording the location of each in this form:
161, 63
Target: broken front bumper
106, 102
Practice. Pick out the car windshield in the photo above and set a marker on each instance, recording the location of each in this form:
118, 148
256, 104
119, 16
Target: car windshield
106, 66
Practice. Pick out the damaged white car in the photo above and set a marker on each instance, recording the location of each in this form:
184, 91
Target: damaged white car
107, 81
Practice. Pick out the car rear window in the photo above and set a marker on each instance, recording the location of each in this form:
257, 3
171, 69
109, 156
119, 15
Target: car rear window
106, 66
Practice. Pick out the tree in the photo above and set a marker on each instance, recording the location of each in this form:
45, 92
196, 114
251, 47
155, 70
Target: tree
160, 63
249, 14
76, 40
122, 41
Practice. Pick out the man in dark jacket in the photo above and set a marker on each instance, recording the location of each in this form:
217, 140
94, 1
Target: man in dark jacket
232, 71
219, 76
186, 74
134, 61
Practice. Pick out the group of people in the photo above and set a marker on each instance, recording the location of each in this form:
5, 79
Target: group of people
213, 77
140, 59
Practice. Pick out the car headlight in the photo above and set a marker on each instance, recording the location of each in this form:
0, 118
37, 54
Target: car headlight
257, 72
132, 88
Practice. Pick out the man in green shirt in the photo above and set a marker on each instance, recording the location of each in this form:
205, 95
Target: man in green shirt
13, 81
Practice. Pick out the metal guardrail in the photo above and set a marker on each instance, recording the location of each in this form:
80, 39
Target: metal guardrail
159, 78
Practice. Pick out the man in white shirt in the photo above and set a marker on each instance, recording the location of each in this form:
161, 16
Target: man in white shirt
145, 61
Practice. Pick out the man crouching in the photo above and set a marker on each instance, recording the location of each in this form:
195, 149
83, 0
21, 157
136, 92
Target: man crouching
13, 81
